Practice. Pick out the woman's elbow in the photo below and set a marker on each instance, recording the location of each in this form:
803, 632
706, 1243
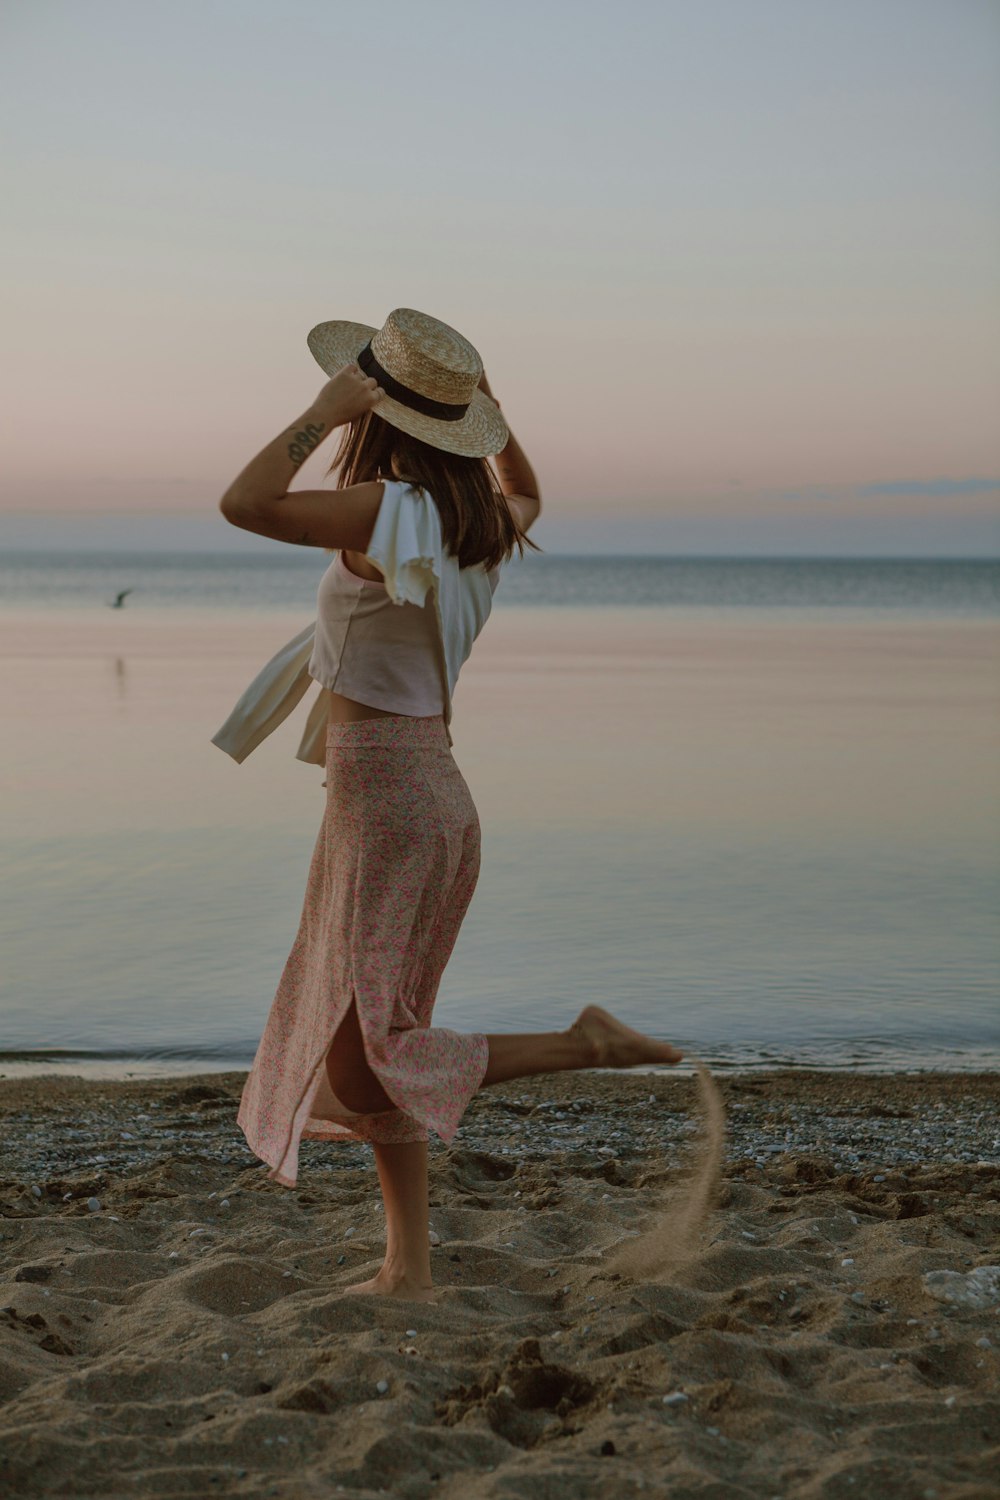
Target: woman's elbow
235, 513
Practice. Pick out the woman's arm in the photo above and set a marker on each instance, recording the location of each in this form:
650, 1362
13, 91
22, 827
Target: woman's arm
516, 476
259, 499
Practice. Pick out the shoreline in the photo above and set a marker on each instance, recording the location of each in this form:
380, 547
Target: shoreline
174, 1323
92, 1068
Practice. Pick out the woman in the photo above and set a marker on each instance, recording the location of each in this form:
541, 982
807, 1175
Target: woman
421, 529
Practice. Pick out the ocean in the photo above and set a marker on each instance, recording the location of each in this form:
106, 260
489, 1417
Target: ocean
751, 805
287, 580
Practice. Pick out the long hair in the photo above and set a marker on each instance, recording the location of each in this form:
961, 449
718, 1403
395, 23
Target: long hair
476, 522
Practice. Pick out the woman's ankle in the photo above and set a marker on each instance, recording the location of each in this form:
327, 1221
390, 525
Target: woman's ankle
587, 1045
413, 1267
395, 1277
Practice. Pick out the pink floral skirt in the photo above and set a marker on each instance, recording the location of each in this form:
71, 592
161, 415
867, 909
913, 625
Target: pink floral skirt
392, 874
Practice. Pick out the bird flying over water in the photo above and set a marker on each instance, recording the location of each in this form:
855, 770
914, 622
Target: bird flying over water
119, 599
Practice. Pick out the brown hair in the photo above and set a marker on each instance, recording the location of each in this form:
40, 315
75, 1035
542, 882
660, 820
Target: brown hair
476, 522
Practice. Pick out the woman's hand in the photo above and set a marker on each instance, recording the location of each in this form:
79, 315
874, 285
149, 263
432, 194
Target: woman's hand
348, 394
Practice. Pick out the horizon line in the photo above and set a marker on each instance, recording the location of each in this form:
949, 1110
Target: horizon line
644, 556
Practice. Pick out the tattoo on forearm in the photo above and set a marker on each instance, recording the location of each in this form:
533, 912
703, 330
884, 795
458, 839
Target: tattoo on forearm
304, 440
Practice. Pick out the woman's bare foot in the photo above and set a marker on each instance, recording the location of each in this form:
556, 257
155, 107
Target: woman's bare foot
388, 1285
611, 1044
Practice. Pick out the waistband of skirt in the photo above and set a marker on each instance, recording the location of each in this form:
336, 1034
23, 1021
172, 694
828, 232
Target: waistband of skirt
393, 729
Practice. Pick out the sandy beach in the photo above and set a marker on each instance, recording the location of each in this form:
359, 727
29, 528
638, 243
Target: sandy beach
614, 1317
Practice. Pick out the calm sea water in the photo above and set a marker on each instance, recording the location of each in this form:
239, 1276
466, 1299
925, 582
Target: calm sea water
751, 805
288, 580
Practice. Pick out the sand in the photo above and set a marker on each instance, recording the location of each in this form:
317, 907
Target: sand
628, 1304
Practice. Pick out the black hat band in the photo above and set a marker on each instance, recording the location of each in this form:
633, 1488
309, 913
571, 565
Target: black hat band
447, 411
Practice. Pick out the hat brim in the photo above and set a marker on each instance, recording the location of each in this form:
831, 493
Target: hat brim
481, 432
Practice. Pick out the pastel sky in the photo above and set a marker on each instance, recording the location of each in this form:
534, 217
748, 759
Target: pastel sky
733, 266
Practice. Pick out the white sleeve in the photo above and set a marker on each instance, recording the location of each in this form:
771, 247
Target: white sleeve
406, 543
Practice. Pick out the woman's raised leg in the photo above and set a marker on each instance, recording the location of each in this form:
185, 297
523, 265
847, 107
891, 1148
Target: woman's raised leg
596, 1039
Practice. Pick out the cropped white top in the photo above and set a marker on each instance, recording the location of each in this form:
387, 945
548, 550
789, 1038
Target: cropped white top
378, 651
387, 645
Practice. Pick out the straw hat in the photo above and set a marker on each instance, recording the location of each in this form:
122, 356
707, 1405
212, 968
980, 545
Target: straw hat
430, 375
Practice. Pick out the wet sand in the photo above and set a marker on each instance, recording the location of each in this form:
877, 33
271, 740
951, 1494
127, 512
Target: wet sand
613, 1318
